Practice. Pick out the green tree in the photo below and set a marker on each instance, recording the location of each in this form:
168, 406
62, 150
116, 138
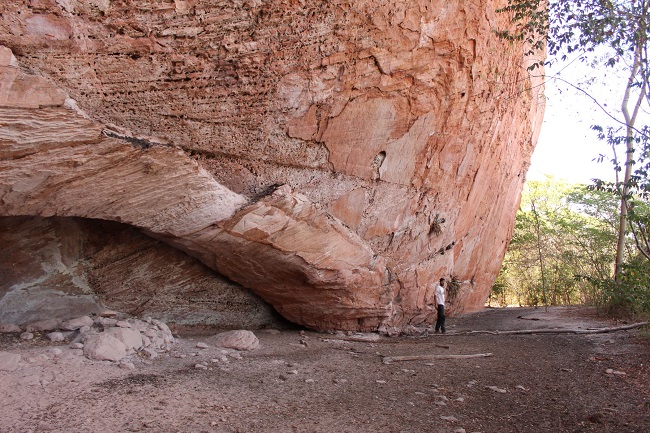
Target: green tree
561, 232
629, 292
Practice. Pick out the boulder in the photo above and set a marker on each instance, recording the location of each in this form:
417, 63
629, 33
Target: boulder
131, 338
238, 340
103, 347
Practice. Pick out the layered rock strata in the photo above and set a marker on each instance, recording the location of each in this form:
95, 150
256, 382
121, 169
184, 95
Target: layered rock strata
63, 267
335, 157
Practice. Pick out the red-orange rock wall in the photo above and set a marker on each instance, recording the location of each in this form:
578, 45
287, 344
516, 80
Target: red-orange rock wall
410, 122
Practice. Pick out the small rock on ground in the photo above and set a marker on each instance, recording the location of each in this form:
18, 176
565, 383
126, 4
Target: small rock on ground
56, 336
9, 361
9, 327
497, 389
76, 323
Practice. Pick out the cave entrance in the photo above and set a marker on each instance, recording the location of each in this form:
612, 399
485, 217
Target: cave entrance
65, 267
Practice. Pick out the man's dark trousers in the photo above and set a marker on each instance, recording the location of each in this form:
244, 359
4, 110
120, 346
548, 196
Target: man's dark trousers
440, 322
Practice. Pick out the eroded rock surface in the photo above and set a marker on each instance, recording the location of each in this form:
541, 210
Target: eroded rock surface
63, 267
401, 132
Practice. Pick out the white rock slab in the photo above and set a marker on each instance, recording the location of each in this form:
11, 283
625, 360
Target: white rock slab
131, 338
104, 347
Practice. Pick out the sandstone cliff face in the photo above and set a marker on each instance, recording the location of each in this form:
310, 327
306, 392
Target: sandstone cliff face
337, 158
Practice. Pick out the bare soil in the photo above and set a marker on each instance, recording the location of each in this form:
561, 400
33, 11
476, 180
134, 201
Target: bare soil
302, 381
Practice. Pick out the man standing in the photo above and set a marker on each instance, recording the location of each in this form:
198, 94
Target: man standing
440, 302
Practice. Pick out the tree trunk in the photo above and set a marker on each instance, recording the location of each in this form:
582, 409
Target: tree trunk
539, 251
630, 120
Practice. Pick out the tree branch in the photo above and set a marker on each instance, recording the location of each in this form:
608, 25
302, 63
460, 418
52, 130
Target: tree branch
389, 359
557, 331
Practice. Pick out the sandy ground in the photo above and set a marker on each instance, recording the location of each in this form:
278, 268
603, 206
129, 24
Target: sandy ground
302, 381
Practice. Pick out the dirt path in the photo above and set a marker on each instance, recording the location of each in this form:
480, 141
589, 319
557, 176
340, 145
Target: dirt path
312, 382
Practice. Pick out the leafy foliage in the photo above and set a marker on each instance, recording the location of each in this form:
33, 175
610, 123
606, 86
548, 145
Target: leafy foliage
453, 287
636, 191
630, 294
577, 228
573, 233
568, 26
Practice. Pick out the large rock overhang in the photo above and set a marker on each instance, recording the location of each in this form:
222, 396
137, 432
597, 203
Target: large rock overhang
336, 158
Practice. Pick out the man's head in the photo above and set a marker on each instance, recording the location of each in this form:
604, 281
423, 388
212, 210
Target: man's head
442, 281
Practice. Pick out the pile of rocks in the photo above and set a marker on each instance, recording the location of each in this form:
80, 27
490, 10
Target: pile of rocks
103, 337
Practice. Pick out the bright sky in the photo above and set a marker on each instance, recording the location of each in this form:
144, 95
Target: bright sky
567, 146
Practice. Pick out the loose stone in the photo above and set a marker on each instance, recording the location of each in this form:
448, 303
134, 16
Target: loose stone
150, 353
131, 338
497, 389
55, 336
9, 361
54, 351
239, 340
106, 322
108, 313
77, 323
6, 328
104, 347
